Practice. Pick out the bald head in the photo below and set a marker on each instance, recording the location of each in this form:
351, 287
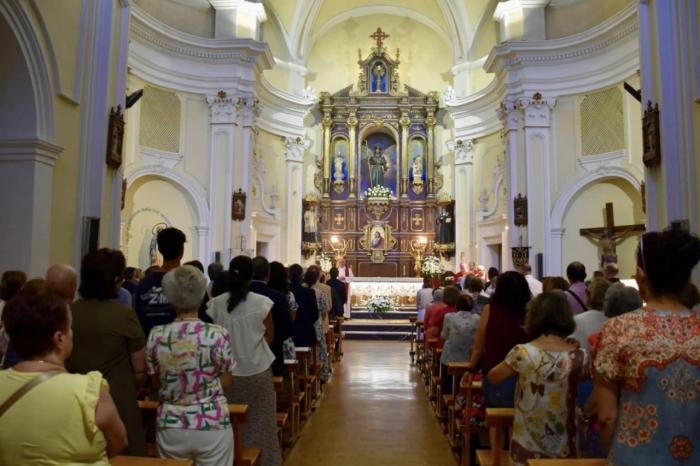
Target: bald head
62, 280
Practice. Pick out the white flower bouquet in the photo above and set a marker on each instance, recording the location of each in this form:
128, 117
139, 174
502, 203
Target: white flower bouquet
432, 266
324, 261
380, 303
378, 191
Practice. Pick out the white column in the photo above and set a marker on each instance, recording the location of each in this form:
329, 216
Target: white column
294, 149
521, 19
202, 242
464, 199
26, 184
243, 241
536, 122
222, 148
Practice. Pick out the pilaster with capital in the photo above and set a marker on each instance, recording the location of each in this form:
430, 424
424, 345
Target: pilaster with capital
536, 115
405, 123
248, 109
294, 150
464, 197
223, 134
352, 153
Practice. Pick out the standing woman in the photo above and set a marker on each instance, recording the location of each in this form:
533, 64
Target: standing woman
190, 363
500, 329
108, 338
647, 365
279, 281
324, 306
307, 313
247, 318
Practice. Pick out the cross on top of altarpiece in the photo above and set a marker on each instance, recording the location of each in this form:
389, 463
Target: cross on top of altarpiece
379, 36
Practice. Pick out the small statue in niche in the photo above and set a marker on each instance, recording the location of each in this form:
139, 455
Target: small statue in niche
379, 73
311, 224
377, 167
395, 80
338, 167
445, 226
418, 168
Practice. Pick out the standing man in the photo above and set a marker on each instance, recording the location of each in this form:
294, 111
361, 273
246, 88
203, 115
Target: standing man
576, 294
345, 272
338, 290
534, 284
152, 306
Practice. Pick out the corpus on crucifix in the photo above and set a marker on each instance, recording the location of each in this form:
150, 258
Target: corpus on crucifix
609, 236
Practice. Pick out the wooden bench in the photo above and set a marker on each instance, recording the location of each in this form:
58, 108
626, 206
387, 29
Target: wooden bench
498, 420
469, 389
420, 342
145, 461
339, 337
455, 370
568, 462
283, 413
243, 456
412, 352
305, 379
330, 344
289, 400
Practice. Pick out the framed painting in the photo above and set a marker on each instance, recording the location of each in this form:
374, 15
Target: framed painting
115, 137
652, 135
238, 205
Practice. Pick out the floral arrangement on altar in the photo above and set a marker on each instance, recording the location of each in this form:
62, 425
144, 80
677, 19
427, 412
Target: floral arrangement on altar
324, 261
380, 303
432, 266
378, 191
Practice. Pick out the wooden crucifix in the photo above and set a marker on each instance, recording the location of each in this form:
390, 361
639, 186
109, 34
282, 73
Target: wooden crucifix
379, 36
609, 236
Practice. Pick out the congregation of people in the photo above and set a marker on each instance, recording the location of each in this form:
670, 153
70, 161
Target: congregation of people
79, 352
591, 367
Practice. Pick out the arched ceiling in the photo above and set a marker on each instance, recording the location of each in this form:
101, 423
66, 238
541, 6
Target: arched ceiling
302, 22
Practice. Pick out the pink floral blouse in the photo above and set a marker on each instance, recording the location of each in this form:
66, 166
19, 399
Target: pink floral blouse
189, 356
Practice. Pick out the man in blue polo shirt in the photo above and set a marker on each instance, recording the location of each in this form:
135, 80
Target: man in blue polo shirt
151, 304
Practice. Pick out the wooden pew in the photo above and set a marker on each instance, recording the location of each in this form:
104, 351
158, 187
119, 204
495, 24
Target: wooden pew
243, 456
412, 352
427, 368
420, 342
568, 462
330, 343
339, 337
455, 371
469, 389
145, 461
498, 420
282, 414
306, 379
289, 400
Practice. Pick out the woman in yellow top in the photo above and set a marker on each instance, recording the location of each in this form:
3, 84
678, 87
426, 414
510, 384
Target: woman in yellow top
67, 419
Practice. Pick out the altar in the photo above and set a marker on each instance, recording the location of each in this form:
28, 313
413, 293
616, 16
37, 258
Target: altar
401, 290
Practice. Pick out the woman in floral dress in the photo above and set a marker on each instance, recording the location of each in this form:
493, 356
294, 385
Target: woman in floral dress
549, 370
311, 277
190, 362
647, 365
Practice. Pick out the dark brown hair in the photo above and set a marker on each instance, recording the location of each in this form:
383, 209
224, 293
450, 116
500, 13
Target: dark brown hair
241, 272
11, 282
465, 303
100, 272
667, 259
549, 313
512, 292
450, 295
32, 319
554, 283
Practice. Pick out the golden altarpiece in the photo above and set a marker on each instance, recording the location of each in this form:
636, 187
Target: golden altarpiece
378, 174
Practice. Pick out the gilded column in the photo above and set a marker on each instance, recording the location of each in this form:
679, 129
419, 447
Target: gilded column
430, 122
352, 152
405, 122
327, 123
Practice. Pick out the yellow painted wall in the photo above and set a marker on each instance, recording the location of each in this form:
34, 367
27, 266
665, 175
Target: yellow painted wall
284, 9
198, 21
487, 152
587, 210
333, 58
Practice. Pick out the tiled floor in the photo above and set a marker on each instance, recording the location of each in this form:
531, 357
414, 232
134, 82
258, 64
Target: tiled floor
374, 412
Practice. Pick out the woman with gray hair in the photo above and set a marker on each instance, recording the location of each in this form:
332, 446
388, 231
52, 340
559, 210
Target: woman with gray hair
620, 299
190, 362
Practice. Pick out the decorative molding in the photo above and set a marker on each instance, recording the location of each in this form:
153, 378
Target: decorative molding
602, 161
536, 110
464, 151
152, 156
29, 150
223, 108
282, 113
295, 148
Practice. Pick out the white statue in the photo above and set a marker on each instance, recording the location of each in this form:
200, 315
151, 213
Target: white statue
418, 168
449, 94
338, 164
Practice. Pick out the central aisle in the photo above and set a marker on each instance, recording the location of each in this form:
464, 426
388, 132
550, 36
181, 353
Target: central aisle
374, 412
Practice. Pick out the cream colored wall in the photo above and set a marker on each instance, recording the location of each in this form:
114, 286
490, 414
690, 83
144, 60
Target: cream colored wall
284, 9
193, 20
487, 151
425, 58
62, 21
151, 200
587, 210
576, 17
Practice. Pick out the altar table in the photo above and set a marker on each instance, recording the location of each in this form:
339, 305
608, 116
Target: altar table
403, 290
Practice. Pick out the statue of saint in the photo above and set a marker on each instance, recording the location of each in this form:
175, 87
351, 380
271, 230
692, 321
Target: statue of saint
310, 225
377, 167
338, 164
446, 230
418, 168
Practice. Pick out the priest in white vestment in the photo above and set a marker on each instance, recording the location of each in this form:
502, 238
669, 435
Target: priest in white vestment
344, 272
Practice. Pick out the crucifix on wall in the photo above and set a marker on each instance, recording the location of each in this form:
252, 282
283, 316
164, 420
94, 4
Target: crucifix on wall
379, 36
609, 236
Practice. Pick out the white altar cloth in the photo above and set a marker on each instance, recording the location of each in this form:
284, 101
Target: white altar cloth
403, 290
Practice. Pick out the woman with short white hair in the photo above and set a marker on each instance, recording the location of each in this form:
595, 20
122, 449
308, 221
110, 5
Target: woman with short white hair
191, 362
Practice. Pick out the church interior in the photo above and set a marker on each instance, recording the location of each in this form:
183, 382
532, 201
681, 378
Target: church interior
390, 146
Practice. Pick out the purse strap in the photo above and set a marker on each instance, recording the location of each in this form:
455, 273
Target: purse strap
24, 389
